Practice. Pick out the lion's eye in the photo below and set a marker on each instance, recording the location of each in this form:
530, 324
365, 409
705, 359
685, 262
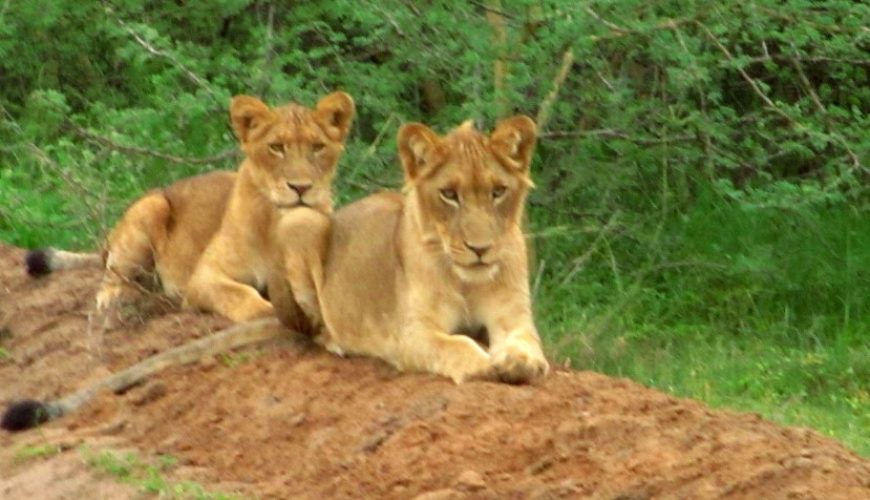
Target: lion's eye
317, 147
450, 195
277, 148
498, 192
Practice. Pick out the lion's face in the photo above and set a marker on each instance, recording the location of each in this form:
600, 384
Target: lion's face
470, 189
294, 149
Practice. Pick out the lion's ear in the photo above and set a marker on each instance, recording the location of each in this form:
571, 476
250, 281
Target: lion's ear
336, 112
247, 113
514, 139
418, 149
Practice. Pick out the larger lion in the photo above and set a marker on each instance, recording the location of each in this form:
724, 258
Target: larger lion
208, 237
403, 276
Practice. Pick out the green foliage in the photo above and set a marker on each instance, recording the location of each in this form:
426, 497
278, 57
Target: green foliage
701, 216
149, 477
27, 453
232, 360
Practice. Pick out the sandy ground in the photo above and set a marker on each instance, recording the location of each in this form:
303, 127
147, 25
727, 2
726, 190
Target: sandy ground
286, 420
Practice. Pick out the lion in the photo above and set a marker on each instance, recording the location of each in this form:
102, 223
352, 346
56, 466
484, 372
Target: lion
401, 276
208, 237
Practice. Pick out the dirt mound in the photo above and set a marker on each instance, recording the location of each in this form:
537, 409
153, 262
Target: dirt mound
286, 420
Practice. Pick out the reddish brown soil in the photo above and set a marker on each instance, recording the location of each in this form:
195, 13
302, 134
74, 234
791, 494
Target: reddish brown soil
286, 420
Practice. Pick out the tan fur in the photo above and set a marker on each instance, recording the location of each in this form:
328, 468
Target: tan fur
209, 237
400, 275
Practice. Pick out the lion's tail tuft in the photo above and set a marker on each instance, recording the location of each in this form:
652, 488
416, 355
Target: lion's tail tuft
26, 414
38, 262
44, 261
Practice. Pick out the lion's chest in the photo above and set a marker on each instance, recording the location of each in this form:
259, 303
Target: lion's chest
456, 313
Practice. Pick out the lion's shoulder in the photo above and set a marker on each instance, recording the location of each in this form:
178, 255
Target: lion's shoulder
386, 204
367, 225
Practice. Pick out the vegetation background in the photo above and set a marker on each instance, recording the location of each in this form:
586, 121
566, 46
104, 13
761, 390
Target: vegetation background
701, 212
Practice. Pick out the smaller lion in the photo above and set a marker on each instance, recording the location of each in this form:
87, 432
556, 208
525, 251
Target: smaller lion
208, 238
402, 276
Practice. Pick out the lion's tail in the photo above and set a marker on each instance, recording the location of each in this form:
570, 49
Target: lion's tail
26, 414
46, 260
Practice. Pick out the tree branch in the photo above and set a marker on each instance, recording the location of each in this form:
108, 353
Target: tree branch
499, 66
265, 82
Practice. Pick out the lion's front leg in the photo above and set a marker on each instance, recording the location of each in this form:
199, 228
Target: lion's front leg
455, 356
216, 286
218, 292
300, 239
514, 343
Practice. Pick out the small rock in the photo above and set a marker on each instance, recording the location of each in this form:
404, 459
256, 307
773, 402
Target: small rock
152, 393
540, 466
470, 481
445, 494
114, 427
296, 420
208, 363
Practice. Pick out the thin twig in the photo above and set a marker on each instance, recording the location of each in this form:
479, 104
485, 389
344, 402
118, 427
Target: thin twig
46, 161
550, 99
413, 8
615, 134
751, 81
567, 212
807, 59
578, 263
105, 141
370, 151
536, 286
664, 25
368, 187
604, 80
807, 22
201, 82
808, 86
378, 6
82, 190
663, 266
613, 27
493, 10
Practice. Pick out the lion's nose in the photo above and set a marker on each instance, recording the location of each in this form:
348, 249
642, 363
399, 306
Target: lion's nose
299, 188
479, 250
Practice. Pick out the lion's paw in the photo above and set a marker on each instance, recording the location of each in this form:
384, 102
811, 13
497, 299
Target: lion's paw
108, 296
324, 339
466, 362
520, 362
